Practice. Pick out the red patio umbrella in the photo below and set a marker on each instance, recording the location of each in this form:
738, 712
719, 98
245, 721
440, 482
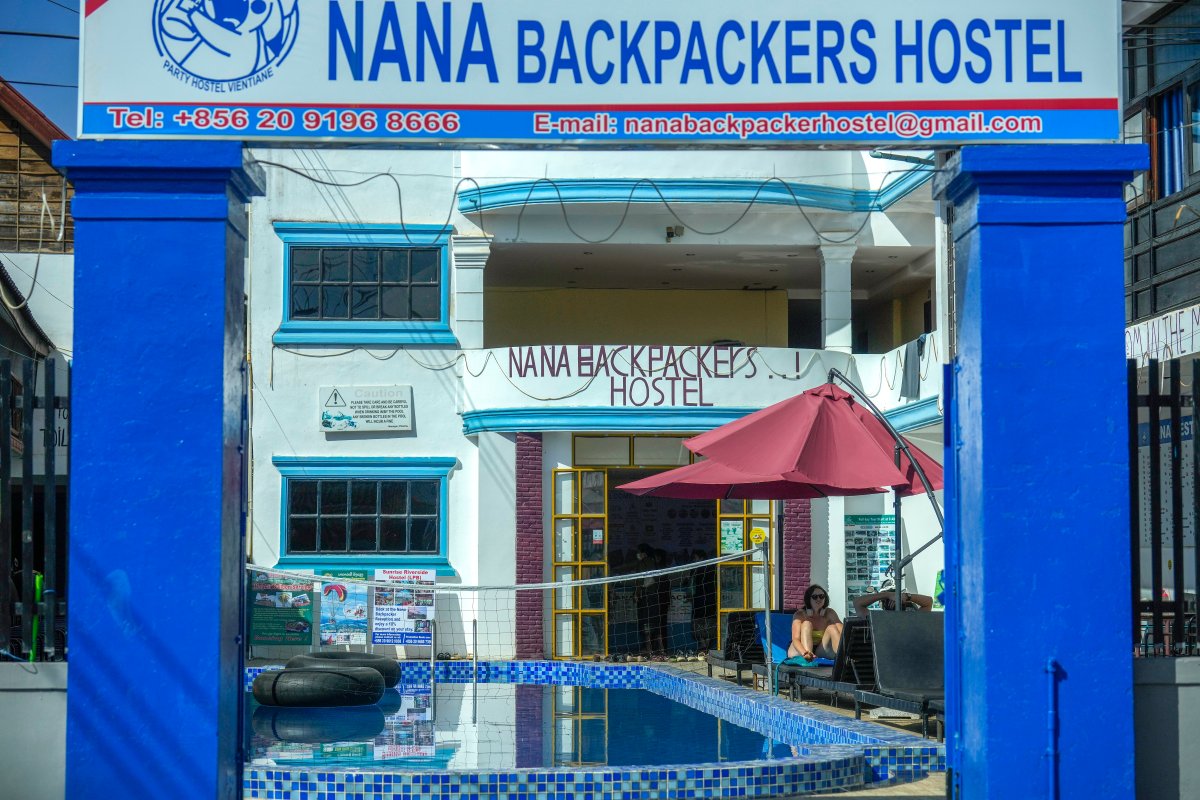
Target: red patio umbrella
822, 437
710, 480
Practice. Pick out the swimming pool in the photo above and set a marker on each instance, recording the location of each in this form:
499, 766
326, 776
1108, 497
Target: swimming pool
557, 730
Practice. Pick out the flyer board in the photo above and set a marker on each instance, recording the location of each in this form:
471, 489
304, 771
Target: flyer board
280, 610
344, 608
870, 550
403, 616
732, 537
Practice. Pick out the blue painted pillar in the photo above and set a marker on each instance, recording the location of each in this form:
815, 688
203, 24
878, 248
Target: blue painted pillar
156, 468
1039, 670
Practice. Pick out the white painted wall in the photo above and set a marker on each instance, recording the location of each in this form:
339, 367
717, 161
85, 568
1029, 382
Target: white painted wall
446, 382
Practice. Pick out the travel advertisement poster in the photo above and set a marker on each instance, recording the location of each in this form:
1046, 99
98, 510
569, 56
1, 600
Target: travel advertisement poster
343, 607
403, 615
280, 610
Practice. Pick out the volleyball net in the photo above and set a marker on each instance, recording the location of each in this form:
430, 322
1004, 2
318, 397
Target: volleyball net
653, 610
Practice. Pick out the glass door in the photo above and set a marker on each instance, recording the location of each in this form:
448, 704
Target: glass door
580, 528
744, 583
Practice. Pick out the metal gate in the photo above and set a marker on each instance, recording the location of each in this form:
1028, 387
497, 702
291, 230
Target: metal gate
1164, 501
33, 504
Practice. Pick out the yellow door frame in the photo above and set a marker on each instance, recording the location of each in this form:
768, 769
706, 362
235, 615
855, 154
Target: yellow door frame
736, 579
579, 527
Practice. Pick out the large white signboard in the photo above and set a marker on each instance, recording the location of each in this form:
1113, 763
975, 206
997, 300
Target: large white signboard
620, 72
1172, 335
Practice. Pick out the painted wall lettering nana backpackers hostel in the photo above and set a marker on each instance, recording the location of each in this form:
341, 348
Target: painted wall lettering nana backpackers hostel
637, 375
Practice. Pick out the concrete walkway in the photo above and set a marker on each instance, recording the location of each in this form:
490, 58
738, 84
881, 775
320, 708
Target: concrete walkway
930, 788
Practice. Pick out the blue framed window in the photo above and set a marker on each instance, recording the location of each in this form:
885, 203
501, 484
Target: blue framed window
365, 284
371, 512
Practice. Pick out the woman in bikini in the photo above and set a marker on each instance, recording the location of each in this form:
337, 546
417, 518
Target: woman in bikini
816, 629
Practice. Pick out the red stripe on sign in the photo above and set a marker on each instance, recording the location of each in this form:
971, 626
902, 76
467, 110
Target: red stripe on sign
91, 5
1052, 104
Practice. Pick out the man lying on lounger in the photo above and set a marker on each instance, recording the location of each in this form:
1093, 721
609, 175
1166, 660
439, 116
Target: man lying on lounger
887, 597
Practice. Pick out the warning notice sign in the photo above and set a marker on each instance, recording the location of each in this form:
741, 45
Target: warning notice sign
365, 408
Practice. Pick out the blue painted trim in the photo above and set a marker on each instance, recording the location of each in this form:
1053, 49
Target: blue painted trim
360, 333
914, 415
674, 419
586, 190
365, 332
409, 468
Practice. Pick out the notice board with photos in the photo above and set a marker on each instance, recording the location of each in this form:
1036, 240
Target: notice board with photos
870, 551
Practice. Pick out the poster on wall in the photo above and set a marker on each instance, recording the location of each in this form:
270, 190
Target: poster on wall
403, 615
732, 538
343, 607
280, 610
870, 550
1165, 509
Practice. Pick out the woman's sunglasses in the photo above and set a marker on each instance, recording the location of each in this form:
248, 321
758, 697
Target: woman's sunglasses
818, 597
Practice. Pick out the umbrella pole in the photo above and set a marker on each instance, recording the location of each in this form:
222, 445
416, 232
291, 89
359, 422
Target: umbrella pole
897, 567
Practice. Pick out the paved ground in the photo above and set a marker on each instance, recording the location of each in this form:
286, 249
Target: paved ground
931, 788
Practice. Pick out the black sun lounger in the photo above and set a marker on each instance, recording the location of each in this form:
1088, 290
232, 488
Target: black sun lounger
740, 648
853, 668
909, 673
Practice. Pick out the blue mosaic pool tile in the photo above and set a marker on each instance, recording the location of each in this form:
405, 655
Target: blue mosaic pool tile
752, 779
832, 752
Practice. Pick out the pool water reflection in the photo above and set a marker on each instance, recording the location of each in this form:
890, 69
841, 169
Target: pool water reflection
500, 727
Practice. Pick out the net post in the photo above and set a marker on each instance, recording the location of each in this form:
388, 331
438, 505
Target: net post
432, 654
474, 651
766, 605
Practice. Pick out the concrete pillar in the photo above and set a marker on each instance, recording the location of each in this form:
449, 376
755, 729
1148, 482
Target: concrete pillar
828, 564
157, 420
470, 255
1037, 529
836, 332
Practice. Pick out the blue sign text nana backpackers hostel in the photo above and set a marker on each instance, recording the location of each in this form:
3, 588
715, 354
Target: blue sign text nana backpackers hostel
540, 72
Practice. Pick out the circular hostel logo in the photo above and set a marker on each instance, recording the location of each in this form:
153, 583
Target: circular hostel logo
224, 45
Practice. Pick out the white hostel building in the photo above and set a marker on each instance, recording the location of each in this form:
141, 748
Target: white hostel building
458, 355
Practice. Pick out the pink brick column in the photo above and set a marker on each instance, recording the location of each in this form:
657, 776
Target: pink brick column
797, 551
530, 545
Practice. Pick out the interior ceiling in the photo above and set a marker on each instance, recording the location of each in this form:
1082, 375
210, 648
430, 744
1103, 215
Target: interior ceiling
691, 266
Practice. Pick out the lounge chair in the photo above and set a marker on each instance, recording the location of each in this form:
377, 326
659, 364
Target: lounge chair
740, 647
853, 668
780, 638
909, 673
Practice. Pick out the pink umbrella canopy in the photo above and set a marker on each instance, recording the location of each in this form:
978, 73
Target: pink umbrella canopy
820, 437
913, 485
710, 480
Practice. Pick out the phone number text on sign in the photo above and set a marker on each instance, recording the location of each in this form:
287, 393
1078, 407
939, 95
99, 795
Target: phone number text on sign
251, 121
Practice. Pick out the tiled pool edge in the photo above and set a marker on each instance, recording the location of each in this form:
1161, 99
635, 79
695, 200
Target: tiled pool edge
874, 753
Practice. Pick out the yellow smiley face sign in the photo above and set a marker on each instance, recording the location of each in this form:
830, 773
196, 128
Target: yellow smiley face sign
758, 535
